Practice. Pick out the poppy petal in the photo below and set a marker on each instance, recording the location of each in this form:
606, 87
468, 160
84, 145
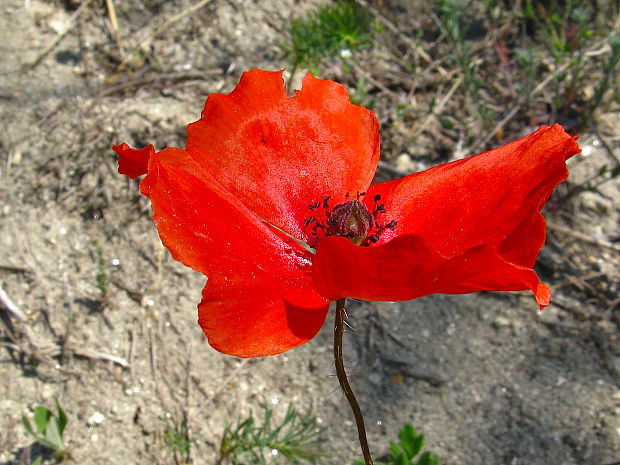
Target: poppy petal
257, 315
465, 226
133, 162
493, 198
342, 269
277, 154
259, 289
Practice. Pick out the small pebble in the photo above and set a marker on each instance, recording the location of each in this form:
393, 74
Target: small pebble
97, 418
501, 321
404, 163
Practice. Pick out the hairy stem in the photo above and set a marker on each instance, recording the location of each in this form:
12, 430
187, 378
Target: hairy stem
344, 382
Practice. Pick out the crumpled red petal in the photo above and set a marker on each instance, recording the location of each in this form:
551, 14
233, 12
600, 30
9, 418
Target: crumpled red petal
257, 315
133, 162
277, 153
259, 298
480, 208
493, 198
342, 269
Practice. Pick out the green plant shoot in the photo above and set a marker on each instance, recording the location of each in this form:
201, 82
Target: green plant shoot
49, 429
410, 444
296, 438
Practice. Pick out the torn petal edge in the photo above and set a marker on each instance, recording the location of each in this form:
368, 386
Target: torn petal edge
133, 162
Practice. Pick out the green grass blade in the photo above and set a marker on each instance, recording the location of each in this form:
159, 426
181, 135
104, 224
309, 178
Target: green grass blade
62, 417
28, 426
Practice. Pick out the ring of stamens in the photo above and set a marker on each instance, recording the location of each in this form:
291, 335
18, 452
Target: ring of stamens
325, 223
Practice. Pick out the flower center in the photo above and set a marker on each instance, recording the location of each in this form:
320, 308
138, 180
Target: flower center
351, 219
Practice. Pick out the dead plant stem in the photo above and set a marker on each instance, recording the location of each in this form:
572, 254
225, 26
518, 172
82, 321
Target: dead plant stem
146, 42
10, 307
344, 382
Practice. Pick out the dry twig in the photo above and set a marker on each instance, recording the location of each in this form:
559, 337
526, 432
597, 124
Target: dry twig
160, 78
10, 307
582, 237
223, 385
436, 110
112, 14
392, 27
145, 43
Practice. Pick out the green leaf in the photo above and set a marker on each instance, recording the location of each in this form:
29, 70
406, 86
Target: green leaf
62, 417
394, 449
410, 440
446, 123
41, 418
53, 435
614, 42
529, 11
28, 426
38, 461
428, 459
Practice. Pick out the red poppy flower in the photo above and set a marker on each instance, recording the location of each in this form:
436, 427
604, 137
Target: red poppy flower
271, 199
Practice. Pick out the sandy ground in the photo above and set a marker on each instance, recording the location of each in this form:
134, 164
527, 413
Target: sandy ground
487, 378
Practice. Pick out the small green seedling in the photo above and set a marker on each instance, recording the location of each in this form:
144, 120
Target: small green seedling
296, 438
409, 446
102, 276
49, 429
176, 438
330, 29
360, 96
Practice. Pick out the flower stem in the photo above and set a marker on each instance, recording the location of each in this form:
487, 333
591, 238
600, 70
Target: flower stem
344, 382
